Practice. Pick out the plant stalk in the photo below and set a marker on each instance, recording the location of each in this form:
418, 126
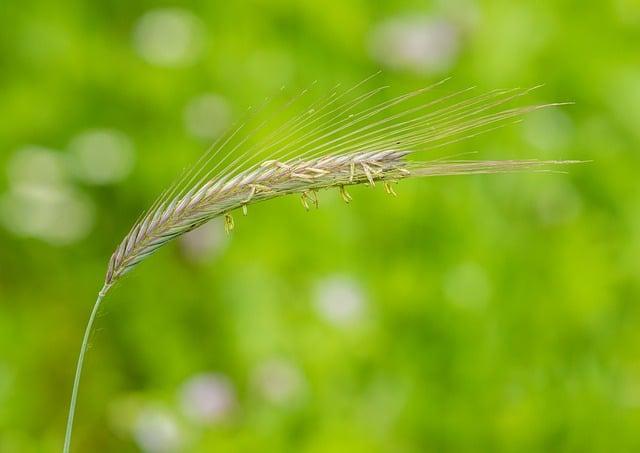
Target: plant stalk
76, 380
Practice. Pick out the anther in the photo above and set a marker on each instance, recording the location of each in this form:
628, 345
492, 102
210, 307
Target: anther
345, 195
303, 199
314, 197
389, 189
244, 209
228, 223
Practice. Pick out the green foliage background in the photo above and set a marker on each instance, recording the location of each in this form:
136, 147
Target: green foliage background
501, 313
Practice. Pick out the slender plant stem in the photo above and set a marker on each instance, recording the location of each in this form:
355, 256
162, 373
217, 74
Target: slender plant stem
76, 380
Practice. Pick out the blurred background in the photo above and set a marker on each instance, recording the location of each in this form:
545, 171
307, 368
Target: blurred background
480, 313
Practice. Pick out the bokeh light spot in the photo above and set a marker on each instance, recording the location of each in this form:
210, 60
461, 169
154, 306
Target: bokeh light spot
278, 381
169, 37
339, 300
156, 431
57, 216
207, 398
207, 116
36, 168
101, 156
420, 44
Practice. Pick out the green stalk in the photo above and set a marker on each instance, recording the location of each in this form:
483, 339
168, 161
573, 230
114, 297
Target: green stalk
76, 380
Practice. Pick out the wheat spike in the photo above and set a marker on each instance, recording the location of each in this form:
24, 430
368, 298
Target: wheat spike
301, 156
221, 196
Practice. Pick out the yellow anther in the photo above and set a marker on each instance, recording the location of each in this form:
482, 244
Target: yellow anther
345, 195
389, 189
303, 199
228, 223
244, 209
314, 197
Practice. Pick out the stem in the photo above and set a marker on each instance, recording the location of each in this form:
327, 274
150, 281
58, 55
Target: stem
76, 380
